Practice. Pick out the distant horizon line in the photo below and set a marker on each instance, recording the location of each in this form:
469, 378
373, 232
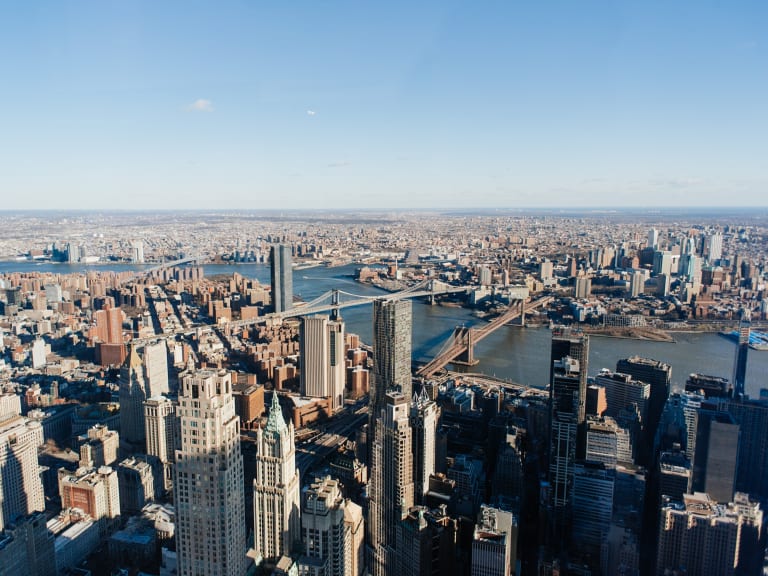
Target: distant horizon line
468, 209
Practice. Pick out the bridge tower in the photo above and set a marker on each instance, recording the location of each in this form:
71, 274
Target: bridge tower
466, 336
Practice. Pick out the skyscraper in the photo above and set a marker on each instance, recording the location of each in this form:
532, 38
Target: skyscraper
653, 238
701, 537
568, 386
208, 491
329, 545
391, 490
160, 426
425, 415
144, 374
494, 543
323, 368
740, 362
276, 499
21, 487
659, 376
392, 324
281, 266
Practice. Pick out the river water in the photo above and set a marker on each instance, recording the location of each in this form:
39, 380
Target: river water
512, 352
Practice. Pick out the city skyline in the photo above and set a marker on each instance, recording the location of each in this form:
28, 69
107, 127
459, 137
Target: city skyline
441, 105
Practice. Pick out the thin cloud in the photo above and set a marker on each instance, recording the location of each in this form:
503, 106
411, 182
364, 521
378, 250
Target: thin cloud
341, 164
311, 112
200, 105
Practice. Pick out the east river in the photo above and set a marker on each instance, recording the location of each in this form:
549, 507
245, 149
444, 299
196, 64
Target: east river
512, 352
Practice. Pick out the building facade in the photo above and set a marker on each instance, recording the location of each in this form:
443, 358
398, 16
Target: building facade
208, 491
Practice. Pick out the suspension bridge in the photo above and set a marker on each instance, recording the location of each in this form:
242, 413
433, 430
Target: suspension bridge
459, 348
337, 299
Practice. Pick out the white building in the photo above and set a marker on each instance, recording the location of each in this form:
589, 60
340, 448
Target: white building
144, 374
425, 415
276, 499
22, 486
208, 492
161, 434
323, 368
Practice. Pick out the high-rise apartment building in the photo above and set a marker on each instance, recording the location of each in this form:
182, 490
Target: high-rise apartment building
276, 499
391, 490
208, 489
281, 266
713, 247
323, 366
143, 375
392, 326
701, 537
21, 487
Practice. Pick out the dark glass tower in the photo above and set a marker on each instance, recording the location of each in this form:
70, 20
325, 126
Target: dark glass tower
282, 277
740, 362
568, 387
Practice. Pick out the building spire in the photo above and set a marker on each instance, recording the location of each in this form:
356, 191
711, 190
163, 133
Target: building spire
275, 422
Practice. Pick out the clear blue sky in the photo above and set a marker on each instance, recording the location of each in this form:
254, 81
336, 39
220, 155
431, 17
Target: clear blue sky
272, 104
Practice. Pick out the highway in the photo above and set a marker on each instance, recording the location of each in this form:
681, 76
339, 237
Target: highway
336, 433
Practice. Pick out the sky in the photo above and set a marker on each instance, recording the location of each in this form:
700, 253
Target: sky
368, 105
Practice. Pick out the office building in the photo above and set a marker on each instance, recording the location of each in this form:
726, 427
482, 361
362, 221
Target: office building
354, 534
276, 498
322, 359
752, 470
96, 492
621, 390
392, 325
137, 479
659, 376
568, 378
281, 267
607, 442
593, 487
27, 547
144, 375
162, 434
426, 543
425, 416
653, 238
494, 543
20, 482
391, 490
716, 454
100, 448
208, 487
